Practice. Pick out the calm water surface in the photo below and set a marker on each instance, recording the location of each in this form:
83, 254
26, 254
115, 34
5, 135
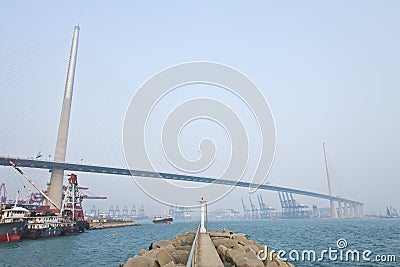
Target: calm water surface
110, 247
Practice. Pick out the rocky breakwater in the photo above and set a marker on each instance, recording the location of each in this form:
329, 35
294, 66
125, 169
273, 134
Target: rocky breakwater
164, 253
103, 224
235, 249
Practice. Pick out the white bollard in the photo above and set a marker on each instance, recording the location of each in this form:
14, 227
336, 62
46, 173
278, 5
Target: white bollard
202, 216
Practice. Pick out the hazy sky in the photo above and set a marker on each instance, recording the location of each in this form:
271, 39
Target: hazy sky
329, 71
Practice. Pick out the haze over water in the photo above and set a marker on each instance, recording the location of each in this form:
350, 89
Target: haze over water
110, 247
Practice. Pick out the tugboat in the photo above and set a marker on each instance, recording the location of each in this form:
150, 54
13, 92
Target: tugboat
163, 220
12, 223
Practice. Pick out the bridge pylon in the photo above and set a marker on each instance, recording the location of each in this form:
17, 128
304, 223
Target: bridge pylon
56, 179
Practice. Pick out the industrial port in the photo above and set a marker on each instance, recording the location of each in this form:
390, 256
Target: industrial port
58, 210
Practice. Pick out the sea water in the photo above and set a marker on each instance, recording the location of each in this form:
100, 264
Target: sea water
110, 247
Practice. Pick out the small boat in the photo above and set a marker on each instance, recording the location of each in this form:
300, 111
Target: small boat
12, 223
163, 220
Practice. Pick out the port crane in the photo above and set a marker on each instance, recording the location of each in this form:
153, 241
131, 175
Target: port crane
254, 212
245, 211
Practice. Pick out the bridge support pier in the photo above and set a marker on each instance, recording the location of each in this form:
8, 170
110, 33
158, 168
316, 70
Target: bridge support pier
350, 210
355, 209
346, 210
361, 211
340, 209
334, 213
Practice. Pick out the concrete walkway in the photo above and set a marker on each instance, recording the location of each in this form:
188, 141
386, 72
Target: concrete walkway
208, 256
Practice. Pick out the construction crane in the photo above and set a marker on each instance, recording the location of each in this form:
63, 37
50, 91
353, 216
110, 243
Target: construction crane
84, 194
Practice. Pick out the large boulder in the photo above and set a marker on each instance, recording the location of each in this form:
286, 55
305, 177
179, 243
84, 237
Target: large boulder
185, 247
170, 264
232, 255
221, 250
219, 234
141, 261
180, 256
163, 257
162, 243
229, 243
239, 236
169, 248
152, 253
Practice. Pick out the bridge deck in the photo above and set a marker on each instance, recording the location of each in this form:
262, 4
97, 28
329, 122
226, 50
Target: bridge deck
50, 165
208, 256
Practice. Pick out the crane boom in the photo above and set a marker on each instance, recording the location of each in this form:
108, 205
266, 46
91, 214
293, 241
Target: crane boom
33, 184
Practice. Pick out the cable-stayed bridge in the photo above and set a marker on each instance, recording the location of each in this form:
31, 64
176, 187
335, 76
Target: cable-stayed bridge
347, 206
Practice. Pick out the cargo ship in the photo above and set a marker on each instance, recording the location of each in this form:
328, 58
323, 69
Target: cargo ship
163, 220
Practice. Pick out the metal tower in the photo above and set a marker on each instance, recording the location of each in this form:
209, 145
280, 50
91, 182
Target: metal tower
72, 204
56, 179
